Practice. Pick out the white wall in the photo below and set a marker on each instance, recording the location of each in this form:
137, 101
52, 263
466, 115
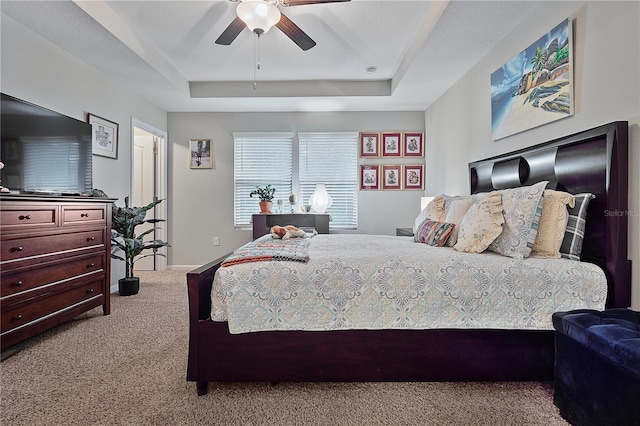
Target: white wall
37, 71
607, 88
202, 199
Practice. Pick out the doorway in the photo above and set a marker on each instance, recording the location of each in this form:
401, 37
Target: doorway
149, 182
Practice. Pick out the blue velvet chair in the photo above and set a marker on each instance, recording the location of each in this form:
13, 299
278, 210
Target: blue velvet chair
597, 366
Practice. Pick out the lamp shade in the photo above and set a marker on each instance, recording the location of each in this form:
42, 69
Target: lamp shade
320, 200
259, 15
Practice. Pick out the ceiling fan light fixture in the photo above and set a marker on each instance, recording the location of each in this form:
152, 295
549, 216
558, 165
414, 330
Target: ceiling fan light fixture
259, 15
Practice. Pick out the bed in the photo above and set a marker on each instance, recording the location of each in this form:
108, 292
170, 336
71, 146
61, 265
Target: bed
594, 161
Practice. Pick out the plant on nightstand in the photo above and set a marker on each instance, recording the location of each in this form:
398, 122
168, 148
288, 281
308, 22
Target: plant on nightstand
265, 193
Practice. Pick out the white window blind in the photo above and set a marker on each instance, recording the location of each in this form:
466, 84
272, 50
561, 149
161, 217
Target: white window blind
260, 159
332, 159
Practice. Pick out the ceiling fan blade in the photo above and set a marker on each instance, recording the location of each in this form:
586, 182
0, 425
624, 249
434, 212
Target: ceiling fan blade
303, 2
228, 35
294, 32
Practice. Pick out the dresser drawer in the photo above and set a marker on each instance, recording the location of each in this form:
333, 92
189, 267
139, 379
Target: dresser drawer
21, 248
46, 304
15, 218
74, 215
26, 278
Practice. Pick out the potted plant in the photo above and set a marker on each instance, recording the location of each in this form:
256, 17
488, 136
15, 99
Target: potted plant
123, 238
265, 193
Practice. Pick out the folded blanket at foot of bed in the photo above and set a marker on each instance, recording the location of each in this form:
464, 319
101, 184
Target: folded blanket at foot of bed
268, 248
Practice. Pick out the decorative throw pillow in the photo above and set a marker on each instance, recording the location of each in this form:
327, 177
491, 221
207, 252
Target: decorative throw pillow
552, 224
574, 234
433, 233
456, 209
449, 198
481, 224
521, 207
433, 211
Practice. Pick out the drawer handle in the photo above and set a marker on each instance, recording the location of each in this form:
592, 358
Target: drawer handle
90, 291
91, 265
84, 214
18, 284
24, 217
91, 239
19, 248
18, 317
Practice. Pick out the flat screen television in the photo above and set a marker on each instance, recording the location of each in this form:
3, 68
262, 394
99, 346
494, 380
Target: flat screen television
43, 151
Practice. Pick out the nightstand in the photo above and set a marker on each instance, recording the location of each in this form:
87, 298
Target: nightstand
404, 232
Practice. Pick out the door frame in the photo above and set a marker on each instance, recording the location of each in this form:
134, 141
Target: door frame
161, 262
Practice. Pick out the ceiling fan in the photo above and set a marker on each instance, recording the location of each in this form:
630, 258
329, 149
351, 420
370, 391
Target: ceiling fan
260, 15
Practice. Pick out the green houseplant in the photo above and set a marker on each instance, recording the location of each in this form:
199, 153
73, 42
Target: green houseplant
265, 193
126, 245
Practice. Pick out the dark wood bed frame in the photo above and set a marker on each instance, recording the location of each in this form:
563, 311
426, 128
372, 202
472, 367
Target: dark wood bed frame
594, 161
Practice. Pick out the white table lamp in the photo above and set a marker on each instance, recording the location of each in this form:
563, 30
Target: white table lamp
320, 200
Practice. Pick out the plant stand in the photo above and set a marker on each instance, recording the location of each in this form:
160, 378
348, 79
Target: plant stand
128, 286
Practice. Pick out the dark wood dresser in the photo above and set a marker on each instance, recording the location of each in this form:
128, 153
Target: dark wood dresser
54, 261
262, 223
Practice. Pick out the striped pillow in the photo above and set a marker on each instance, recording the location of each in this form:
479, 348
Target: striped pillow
433, 233
574, 233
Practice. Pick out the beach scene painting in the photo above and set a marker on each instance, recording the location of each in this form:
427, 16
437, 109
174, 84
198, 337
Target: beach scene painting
536, 86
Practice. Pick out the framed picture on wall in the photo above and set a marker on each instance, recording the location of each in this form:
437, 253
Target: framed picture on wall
529, 93
391, 145
104, 136
200, 154
369, 178
391, 176
369, 144
413, 177
413, 144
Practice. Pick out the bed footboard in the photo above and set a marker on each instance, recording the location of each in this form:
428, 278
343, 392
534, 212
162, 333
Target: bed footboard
199, 282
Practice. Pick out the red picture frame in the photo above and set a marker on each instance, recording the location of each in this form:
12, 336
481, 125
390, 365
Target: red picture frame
392, 144
369, 144
413, 144
369, 177
391, 176
413, 177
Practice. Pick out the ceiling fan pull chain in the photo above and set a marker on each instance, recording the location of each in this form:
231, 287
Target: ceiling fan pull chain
256, 58
258, 43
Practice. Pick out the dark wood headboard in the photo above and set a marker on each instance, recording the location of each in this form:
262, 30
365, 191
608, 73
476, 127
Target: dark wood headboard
593, 161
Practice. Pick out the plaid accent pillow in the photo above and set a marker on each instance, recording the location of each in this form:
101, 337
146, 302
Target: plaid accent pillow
433, 233
574, 234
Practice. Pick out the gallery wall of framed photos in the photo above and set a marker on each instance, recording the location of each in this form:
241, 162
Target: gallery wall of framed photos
376, 174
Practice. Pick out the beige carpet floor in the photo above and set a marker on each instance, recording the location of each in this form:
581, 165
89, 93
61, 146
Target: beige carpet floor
128, 368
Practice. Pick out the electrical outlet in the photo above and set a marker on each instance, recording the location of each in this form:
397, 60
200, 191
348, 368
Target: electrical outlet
216, 241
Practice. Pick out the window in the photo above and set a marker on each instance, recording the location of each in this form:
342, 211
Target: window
260, 159
332, 159
268, 158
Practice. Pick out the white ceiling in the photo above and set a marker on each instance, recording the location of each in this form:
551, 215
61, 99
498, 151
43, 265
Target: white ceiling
165, 51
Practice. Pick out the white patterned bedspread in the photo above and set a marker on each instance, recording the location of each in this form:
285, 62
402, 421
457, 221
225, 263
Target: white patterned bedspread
380, 282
